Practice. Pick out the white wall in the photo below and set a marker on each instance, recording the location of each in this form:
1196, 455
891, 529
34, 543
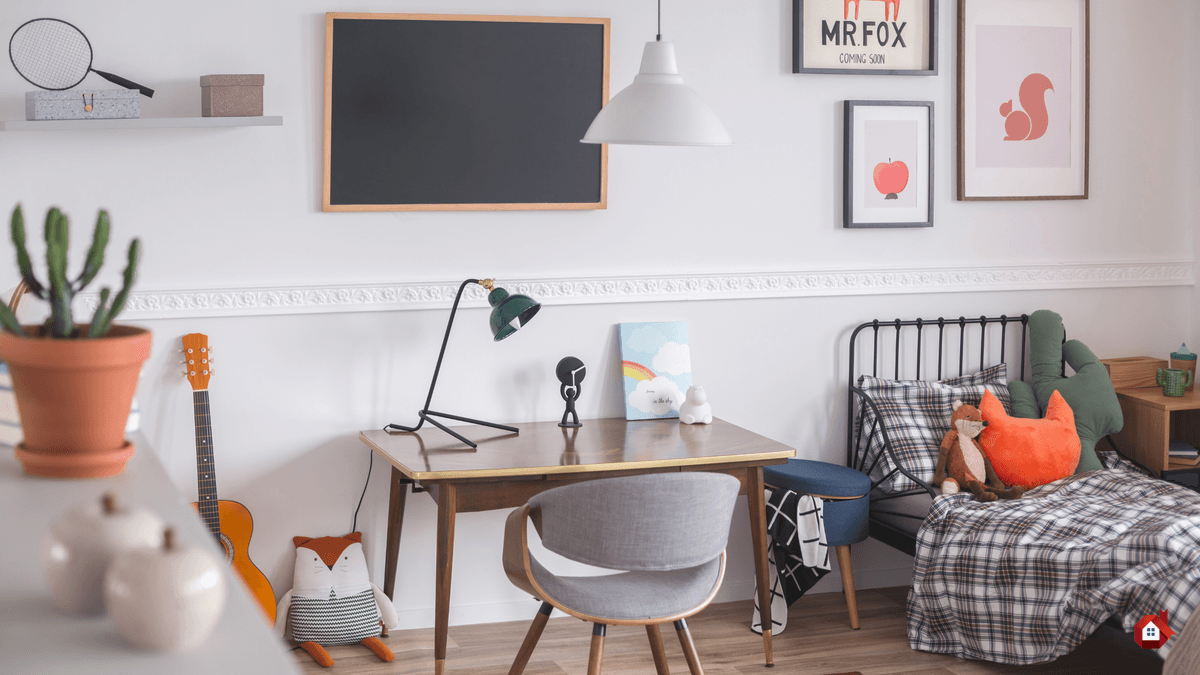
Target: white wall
239, 208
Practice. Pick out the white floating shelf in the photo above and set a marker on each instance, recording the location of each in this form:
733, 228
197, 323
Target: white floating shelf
141, 123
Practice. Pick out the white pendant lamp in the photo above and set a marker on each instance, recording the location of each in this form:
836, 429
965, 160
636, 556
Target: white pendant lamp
658, 108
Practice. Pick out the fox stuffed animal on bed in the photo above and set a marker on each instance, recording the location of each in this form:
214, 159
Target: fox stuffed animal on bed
332, 601
962, 462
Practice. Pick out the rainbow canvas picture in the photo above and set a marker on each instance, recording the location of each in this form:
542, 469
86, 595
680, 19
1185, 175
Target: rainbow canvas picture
657, 366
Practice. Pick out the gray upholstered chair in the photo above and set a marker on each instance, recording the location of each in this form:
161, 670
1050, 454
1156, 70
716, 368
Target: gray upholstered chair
666, 532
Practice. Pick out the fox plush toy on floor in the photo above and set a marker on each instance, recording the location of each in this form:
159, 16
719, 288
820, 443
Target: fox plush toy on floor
332, 601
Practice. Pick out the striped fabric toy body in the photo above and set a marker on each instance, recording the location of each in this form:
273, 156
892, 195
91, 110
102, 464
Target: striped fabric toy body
332, 601
335, 620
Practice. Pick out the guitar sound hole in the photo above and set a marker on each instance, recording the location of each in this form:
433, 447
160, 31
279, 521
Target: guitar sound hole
228, 546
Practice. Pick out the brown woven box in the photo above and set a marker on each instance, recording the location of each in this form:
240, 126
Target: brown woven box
1134, 372
231, 95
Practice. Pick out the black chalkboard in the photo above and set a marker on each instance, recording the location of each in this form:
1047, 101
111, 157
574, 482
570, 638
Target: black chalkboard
428, 112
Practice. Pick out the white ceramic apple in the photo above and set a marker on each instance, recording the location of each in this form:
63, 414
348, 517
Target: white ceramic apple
166, 598
79, 545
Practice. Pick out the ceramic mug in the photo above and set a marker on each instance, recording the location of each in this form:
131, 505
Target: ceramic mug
1173, 380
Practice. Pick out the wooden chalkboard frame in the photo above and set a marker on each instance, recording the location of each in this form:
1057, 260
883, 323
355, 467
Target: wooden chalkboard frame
330, 17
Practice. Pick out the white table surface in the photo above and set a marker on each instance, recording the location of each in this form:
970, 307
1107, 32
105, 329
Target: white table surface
36, 638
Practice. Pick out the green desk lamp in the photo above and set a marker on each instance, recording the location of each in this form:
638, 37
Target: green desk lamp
509, 314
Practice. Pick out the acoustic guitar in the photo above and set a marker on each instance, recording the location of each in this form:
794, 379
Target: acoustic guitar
230, 522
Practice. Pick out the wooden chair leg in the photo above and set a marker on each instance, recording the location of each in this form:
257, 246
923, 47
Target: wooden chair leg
656, 648
843, 558
597, 654
531, 639
689, 647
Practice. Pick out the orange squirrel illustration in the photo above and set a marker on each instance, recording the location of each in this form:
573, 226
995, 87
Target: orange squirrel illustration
893, 4
1030, 124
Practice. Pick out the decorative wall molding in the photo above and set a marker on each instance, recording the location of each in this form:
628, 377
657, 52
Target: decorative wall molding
161, 304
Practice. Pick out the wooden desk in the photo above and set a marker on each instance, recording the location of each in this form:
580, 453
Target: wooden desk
508, 469
1152, 420
35, 638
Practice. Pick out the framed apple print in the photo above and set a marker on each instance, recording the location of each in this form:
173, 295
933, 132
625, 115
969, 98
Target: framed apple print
865, 37
888, 164
1023, 80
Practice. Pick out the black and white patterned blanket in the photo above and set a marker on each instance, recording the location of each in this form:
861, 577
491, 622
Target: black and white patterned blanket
1025, 581
798, 556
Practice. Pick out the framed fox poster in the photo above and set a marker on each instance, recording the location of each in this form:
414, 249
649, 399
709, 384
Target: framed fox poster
865, 37
1023, 76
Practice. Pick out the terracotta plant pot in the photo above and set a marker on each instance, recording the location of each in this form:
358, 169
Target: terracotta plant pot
73, 397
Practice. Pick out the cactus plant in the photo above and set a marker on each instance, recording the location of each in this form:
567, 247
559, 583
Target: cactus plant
60, 291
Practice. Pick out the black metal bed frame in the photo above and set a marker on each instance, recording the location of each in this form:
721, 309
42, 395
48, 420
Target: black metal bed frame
879, 529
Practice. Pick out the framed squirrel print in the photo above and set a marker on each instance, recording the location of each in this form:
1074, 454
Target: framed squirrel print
1023, 75
888, 177
865, 37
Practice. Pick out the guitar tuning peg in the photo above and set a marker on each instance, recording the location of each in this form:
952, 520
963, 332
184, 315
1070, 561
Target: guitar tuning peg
178, 351
183, 373
182, 362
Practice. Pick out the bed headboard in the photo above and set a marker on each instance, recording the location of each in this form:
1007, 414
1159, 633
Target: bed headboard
911, 350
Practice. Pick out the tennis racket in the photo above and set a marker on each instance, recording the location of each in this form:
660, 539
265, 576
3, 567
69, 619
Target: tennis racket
55, 55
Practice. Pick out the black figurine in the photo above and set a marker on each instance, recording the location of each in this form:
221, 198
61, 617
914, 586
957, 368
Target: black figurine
570, 372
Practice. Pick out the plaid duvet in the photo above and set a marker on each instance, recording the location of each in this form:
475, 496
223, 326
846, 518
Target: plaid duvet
1025, 581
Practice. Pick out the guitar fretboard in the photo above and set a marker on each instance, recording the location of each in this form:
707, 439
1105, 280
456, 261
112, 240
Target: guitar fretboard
206, 470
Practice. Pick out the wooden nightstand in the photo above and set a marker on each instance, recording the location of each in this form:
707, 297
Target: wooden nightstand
1152, 420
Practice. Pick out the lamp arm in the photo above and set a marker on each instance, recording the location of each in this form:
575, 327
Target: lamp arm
438, 368
449, 324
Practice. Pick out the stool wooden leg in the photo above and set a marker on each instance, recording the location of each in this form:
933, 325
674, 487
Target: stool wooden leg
843, 558
656, 648
597, 654
531, 639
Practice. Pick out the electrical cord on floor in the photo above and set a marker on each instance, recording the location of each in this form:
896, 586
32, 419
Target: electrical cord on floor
371, 465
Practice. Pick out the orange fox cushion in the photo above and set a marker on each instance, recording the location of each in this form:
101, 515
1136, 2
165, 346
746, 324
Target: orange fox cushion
1030, 452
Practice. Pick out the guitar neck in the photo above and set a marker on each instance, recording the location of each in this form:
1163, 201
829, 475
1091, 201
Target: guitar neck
206, 470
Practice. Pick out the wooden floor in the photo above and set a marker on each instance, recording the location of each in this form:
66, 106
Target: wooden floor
818, 641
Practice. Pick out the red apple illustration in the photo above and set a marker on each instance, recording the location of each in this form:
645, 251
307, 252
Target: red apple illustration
891, 178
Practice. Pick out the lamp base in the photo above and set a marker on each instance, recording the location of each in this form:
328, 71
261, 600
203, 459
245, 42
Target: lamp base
427, 416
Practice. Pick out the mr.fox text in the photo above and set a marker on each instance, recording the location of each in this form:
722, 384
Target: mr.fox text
885, 33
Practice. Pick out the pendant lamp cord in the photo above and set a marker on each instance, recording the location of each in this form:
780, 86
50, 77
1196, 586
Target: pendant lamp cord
659, 36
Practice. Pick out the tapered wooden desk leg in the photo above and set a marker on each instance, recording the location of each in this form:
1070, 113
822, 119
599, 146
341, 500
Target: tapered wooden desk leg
656, 648
447, 509
758, 535
396, 499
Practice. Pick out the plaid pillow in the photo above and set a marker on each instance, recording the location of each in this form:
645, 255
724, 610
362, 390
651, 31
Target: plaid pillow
916, 415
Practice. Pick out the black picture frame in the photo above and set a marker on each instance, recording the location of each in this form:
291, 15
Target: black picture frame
848, 211
798, 46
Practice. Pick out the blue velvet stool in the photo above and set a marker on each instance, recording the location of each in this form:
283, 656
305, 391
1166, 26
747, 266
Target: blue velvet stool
846, 507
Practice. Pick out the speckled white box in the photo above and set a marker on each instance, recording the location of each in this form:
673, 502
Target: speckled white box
231, 95
107, 104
